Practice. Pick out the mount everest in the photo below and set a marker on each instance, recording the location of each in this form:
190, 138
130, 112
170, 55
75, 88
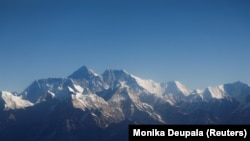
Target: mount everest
92, 106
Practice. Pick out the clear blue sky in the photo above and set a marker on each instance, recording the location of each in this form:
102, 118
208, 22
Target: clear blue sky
197, 42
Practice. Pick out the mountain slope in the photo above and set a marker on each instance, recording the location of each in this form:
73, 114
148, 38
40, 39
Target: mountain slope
85, 102
12, 102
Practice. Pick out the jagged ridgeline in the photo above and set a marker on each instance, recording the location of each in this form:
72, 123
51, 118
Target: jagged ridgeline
91, 106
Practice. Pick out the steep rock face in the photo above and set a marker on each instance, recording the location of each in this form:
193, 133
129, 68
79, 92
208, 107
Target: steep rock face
73, 108
83, 73
39, 89
119, 78
88, 80
239, 91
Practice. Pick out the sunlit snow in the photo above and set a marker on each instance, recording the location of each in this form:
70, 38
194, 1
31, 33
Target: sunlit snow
14, 102
217, 92
149, 85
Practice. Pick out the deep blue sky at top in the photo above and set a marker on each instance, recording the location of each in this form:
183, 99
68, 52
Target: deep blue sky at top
197, 42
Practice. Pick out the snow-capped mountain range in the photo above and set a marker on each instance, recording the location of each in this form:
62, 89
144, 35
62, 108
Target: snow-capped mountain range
86, 99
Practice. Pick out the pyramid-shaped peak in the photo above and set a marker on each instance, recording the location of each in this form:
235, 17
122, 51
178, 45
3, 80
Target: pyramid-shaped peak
174, 83
83, 73
177, 86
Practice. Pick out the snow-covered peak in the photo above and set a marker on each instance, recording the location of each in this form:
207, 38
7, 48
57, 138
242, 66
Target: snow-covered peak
42, 87
177, 87
83, 73
115, 74
149, 85
113, 78
122, 78
215, 92
238, 90
14, 102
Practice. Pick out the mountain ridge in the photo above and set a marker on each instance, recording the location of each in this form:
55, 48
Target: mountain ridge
102, 102
85, 80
